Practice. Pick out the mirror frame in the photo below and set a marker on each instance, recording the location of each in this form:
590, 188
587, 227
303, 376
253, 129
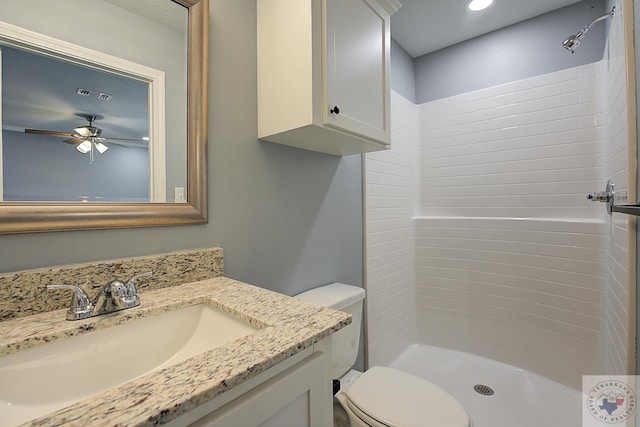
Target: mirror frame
26, 217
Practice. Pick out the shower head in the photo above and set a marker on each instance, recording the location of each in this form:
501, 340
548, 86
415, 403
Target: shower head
572, 42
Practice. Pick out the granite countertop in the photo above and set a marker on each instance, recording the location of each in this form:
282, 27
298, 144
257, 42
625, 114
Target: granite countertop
287, 326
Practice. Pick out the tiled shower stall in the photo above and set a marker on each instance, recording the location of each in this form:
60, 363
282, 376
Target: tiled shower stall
480, 237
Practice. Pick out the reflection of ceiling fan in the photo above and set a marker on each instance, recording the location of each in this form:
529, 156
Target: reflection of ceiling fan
85, 137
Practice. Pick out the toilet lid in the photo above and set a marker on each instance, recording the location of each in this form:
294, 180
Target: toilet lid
398, 399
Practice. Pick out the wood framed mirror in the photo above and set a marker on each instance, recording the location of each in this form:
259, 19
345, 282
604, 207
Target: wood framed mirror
27, 217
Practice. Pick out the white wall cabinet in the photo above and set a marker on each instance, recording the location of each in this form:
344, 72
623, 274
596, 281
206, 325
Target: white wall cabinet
323, 74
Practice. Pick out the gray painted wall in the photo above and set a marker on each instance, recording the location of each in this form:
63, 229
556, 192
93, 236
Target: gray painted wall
43, 168
522, 50
403, 78
288, 219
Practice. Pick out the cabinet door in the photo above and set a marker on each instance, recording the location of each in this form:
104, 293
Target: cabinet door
356, 47
297, 397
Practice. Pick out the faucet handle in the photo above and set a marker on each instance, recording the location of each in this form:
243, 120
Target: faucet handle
117, 295
132, 299
131, 287
137, 276
80, 307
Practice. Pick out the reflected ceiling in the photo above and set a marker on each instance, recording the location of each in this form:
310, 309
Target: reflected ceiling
40, 92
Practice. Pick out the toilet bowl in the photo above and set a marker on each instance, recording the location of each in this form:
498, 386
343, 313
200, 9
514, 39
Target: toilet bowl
381, 396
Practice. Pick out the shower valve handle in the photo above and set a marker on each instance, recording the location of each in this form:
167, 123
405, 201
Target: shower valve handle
607, 196
610, 197
600, 196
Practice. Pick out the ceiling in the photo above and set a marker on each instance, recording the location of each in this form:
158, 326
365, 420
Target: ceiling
424, 26
166, 13
40, 92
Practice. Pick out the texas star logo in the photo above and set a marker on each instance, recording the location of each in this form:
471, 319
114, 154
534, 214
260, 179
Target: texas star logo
611, 401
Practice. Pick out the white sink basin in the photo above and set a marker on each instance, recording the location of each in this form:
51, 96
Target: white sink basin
41, 380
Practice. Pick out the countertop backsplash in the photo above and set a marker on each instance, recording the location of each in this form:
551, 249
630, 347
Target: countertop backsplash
24, 293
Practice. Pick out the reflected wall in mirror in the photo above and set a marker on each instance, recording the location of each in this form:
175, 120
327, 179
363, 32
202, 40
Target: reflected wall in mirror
109, 91
63, 142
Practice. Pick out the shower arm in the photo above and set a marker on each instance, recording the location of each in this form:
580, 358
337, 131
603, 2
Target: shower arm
586, 28
572, 42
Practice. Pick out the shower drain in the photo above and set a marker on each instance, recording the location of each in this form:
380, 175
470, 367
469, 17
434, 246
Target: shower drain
484, 390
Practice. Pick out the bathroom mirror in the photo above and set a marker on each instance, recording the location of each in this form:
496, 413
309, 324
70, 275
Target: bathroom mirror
40, 216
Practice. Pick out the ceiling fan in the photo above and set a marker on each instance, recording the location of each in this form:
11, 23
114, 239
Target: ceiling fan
86, 137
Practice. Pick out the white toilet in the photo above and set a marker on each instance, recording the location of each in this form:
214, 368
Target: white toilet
380, 397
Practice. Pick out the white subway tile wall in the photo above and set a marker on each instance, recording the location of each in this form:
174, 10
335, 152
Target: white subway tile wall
527, 149
391, 203
617, 330
526, 292
509, 251
504, 256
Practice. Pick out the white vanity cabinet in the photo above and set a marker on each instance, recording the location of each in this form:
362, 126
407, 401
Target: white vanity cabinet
323, 74
296, 392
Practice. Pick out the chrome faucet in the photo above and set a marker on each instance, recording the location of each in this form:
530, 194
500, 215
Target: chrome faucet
80, 307
113, 296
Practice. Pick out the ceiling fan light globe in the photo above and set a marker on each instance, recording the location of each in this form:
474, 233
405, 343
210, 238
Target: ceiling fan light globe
100, 147
84, 147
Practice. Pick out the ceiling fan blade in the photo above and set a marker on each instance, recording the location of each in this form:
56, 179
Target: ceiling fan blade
133, 143
108, 141
88, 133
49, 132
74, 140
126, 139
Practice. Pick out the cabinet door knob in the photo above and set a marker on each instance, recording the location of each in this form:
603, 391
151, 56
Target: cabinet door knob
335, 110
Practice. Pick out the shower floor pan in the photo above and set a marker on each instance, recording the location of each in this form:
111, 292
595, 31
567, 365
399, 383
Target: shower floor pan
520, 398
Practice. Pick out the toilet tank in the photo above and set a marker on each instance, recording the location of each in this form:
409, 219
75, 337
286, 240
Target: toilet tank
344, 342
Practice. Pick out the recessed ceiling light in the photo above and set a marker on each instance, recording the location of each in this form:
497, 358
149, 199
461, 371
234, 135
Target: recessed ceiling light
476, 5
